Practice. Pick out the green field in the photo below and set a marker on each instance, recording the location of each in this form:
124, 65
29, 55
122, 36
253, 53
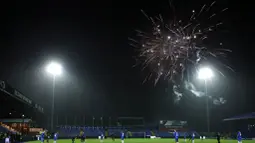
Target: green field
147, 141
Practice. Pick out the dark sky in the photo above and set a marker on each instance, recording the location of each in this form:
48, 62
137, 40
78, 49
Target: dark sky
90, 39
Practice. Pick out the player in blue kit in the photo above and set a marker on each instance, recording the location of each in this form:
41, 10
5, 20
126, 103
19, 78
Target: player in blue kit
42, 136
185, 135
193, 137
55, 137
122, 136
176, 136
239, 137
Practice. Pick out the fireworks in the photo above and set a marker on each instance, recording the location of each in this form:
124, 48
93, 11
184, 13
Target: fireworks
174, 50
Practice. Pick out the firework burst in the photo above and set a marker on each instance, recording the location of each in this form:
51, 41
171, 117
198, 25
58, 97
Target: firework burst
171, 50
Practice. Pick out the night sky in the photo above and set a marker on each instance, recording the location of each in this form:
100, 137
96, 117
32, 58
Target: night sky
90, 40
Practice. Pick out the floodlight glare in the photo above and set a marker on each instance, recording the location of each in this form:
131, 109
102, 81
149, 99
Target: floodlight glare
54, 69
205, 73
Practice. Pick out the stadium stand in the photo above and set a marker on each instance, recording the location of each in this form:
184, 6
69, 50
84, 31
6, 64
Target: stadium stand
92, 132
16, 112
71, 131
244, 123
132, 131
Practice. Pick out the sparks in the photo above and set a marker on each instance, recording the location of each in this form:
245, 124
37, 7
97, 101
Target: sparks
173, 49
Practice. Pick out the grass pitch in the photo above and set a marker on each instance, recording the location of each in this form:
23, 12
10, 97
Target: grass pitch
147, 141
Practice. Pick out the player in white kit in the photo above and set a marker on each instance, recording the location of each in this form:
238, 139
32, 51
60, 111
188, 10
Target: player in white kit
7, 139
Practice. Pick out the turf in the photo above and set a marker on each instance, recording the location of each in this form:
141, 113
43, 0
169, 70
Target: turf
148, 141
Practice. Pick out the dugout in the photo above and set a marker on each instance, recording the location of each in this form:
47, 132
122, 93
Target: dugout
244, 123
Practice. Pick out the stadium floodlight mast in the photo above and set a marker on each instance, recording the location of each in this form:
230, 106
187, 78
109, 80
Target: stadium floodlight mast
205, 74
54, 69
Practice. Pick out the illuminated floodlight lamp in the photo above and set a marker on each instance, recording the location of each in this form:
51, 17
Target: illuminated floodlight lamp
54, 69
205, 73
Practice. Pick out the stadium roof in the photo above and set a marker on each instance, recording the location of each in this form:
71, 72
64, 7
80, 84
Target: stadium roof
15, 120
241, 117
9, 90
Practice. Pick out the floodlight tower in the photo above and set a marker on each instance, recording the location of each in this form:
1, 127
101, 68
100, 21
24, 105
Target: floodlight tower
206, 74
54, 69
